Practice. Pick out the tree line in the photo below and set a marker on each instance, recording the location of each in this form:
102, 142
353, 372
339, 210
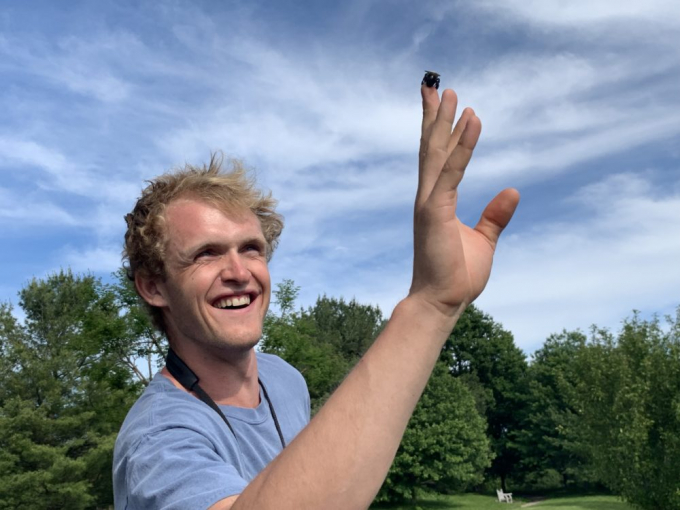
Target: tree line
586, 411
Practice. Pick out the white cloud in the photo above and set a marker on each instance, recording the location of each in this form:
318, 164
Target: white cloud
543, 112
560, 274
60, 174
573, 274
87, 67
577, 13
334, 131
18, 211
540, 160
97, 259
290, 119
28, 152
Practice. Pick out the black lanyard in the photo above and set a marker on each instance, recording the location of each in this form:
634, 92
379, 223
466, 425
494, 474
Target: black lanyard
187, 378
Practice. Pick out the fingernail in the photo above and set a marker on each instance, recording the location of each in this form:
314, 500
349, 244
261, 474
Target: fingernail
431, 79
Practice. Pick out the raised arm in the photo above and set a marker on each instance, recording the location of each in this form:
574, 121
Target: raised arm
341, 458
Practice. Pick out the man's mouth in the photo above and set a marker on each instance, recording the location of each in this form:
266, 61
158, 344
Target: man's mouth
233, 302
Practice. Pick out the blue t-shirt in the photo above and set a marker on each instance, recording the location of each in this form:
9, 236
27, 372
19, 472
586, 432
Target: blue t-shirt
175, 452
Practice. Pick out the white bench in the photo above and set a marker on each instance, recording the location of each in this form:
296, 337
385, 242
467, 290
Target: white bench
504, 497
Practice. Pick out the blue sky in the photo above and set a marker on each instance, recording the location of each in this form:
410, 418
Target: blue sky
580, 105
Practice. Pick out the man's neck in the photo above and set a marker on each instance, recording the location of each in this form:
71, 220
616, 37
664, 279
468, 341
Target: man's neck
231, 380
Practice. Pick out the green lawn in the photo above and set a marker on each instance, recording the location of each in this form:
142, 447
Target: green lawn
584, 503
476, 501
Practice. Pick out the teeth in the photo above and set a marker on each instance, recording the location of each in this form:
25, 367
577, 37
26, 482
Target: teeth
235, 301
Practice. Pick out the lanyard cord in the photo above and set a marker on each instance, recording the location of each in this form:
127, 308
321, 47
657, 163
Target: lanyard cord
187, 378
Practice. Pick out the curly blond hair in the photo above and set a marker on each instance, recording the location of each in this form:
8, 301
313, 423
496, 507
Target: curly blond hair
229, 191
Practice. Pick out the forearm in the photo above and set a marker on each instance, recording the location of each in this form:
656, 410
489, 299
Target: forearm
340, 460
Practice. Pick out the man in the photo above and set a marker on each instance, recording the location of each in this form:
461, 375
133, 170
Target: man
206, 279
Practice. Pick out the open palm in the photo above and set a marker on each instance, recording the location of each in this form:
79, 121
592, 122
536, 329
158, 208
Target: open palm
452, 261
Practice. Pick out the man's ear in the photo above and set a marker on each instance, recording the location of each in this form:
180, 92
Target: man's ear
151, 290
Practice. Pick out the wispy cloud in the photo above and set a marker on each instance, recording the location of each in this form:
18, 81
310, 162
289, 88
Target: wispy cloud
622, 255
98, 259
16, 211
27, 152
583, 14
81, 66
329, 117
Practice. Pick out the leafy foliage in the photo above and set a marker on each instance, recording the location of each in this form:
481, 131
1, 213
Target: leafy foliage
485, 357
63, 394
629, 390
322, 342
444, 448
294, 336
604, 409
138, 339
552, 445
350, 328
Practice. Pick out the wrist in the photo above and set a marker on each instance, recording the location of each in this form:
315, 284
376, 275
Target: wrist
436, 316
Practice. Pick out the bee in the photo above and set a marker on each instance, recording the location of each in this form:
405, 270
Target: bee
431, 79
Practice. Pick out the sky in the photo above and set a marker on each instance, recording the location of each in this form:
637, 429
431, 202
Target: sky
579, 101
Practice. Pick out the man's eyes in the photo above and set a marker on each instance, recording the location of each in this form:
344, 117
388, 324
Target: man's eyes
253, 247
212, 252
205, 254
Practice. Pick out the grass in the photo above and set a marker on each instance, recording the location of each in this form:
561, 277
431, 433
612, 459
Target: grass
475, 501
584, 503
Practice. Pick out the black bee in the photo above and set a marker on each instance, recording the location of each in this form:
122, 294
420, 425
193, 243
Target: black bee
431, 79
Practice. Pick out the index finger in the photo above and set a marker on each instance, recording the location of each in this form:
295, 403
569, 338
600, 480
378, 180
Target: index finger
430, 107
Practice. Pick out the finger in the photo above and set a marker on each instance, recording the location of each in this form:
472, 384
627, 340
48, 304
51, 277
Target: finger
456, 163
441, 128
430, 107
434, 146
458, 130
498, 214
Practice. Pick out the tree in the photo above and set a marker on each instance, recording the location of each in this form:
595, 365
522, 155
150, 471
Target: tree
294, 336
139, 339
485, 357
551, 443
444, 448
63, 394
349, 327
630, 395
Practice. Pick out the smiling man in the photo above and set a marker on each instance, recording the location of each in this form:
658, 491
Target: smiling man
222, 426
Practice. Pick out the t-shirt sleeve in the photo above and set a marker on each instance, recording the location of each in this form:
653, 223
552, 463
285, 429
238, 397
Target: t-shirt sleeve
179, 468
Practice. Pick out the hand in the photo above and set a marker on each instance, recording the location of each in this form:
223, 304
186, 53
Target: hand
452, 262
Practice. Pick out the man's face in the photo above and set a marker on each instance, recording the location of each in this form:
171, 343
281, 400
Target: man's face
217, 288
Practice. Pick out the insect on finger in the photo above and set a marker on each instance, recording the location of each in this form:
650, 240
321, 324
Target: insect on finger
431, 79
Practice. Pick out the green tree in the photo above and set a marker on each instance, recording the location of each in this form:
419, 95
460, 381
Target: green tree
445, 447
551, 442
63, 394
139, 343
294, 336
630, 394
485, 357
349, 327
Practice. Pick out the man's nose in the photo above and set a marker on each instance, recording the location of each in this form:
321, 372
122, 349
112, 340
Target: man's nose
234, 268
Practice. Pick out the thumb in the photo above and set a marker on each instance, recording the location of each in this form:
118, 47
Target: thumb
498, 214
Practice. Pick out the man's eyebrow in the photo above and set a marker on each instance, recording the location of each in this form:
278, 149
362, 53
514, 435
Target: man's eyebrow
259, 240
